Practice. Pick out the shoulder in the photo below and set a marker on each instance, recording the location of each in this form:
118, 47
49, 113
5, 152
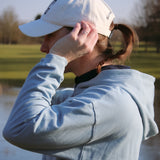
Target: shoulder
113, 103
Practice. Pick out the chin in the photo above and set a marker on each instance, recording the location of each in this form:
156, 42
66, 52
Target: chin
68, 68
73, 66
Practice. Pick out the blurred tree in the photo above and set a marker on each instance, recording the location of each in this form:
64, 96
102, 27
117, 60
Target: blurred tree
8, 26
148, 22
9, 31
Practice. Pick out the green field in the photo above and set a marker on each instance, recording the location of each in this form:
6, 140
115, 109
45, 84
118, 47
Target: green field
17, 60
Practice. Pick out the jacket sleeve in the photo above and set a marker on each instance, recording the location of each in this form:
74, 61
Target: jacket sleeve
61, 95
35, 124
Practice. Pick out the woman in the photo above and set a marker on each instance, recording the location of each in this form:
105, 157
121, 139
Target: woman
110, 110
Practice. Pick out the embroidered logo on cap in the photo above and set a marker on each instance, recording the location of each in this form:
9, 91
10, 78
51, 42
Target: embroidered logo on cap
54, 1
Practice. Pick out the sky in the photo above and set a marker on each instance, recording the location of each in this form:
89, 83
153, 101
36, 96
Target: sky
27, 10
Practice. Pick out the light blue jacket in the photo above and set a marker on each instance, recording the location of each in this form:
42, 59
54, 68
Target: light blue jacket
105, 118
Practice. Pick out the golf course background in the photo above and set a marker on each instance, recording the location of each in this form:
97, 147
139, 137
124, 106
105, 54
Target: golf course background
17, 60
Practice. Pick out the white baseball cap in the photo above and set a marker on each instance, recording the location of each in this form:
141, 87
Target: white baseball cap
67, 13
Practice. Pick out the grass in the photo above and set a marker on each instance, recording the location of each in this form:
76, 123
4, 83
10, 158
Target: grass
146, 62
17, 60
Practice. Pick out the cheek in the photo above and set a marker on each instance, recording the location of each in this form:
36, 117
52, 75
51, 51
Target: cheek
51, 43
44, 48
47, 45
50, 40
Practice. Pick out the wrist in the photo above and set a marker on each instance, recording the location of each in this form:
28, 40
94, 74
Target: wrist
51, 58
67, 57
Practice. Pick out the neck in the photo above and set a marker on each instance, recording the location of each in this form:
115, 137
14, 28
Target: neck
85, 64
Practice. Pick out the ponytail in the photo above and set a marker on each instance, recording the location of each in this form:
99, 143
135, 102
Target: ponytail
130, 39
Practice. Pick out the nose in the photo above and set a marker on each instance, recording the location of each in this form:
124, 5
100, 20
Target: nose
44, 47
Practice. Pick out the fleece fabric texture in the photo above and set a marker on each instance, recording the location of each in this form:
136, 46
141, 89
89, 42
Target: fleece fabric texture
104, 118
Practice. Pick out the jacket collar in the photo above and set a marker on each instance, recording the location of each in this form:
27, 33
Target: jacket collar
93, 73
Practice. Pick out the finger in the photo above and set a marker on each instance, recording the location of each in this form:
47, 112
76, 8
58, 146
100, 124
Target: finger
92, 38
94, 41
85, 30
76, 30
91, 25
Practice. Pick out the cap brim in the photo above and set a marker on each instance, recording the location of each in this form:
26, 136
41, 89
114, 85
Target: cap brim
38, 28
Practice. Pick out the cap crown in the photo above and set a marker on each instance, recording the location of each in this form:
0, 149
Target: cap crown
69, 12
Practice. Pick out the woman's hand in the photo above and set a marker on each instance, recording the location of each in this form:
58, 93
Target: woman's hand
80, 41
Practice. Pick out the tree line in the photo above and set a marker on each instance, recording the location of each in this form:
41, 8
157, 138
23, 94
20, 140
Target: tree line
146, 22
9, 31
